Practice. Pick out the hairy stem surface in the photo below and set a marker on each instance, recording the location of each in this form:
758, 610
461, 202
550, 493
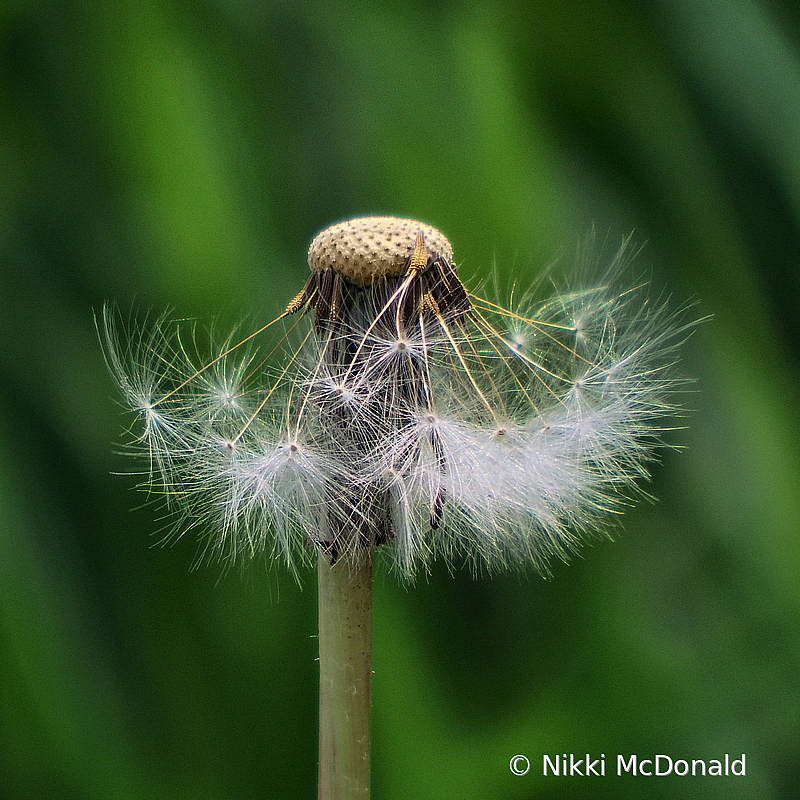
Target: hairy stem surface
345, 667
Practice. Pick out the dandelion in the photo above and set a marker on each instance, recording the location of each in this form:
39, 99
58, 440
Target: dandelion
415, 419
415, 414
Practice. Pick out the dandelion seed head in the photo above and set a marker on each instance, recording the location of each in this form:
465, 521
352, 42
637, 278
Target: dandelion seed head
415, 417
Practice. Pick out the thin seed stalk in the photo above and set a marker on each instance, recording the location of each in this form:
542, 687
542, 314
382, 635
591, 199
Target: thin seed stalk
345, 670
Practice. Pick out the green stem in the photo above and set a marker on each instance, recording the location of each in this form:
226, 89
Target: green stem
345, 671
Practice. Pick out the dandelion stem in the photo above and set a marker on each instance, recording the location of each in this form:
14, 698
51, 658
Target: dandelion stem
345, 670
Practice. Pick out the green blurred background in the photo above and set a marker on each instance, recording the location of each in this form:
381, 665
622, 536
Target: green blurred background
182, 154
